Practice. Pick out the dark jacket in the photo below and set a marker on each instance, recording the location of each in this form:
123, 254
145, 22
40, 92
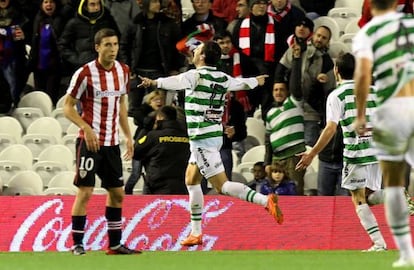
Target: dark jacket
237, 119
56, 22
144, 118
168, 34
333, 151
164, 153
284, 29
76, 43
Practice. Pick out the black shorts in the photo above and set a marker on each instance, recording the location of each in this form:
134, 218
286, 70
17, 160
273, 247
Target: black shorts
106, 163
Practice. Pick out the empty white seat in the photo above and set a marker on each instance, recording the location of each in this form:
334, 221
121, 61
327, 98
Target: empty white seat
24, 183
63, 179
52, 161
69, 140
7, 140
352, 26
336, 48
46, 125
42, 133
72, 129
246, 170
37, 99
60, 117
343, 16
27, 115
330, 23
254, 154
256, 128
13, 159
11, 126
347, 40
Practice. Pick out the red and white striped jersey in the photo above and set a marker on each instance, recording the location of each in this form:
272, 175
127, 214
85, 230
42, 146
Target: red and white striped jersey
99, 91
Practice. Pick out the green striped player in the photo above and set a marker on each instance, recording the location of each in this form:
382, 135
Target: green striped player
361, 174
205, 88
385, 47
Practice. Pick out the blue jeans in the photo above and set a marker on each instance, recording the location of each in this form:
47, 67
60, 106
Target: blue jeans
330, 178
134, 176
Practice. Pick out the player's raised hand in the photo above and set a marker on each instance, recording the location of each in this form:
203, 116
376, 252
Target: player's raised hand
145, 82
261, 79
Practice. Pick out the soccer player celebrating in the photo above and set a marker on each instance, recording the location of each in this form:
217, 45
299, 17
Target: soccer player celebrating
205, 88
100, 86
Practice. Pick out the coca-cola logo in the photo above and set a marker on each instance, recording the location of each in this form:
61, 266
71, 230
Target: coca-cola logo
160, 225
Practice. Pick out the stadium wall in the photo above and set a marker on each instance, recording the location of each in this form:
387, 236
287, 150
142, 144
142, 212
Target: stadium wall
43, 223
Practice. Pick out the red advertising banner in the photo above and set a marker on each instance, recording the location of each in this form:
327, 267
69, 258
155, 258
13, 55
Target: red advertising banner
43, 223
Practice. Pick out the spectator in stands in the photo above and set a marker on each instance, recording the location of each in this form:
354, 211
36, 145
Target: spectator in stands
278, 181
76, 43
259, 176
45, 61
317, 77
12, 48
405, 6
203, 13
123, 11
148, 47
285, 15
173, 9
284, 122
97, 146
242, 11
254, 36
144, 119
164, 153
225, 9
317, 8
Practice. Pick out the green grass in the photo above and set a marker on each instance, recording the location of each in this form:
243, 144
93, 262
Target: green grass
209, 260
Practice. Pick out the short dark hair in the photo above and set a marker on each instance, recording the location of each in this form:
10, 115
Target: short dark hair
327, 29
103, 33
382, 4
168, 112
345, 64
212, 53
222, 34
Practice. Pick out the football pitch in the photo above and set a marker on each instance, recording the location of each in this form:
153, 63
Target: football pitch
197, 260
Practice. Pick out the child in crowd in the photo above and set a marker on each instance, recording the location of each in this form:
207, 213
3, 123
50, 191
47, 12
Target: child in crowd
278, 181
259, 174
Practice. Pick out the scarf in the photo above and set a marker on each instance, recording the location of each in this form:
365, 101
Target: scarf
204, 32
278, 15
244, 39
241, 96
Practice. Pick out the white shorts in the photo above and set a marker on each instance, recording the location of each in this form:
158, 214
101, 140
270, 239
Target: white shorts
356, 176
208, 161
393, 132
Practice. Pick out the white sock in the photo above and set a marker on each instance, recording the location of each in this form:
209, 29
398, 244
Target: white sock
377, 197
396, 213
196, 201
241, 191
370, 224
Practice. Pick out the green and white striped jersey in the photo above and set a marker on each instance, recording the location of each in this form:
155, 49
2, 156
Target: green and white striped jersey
285, 125
205, 90
388, 40
341, 108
